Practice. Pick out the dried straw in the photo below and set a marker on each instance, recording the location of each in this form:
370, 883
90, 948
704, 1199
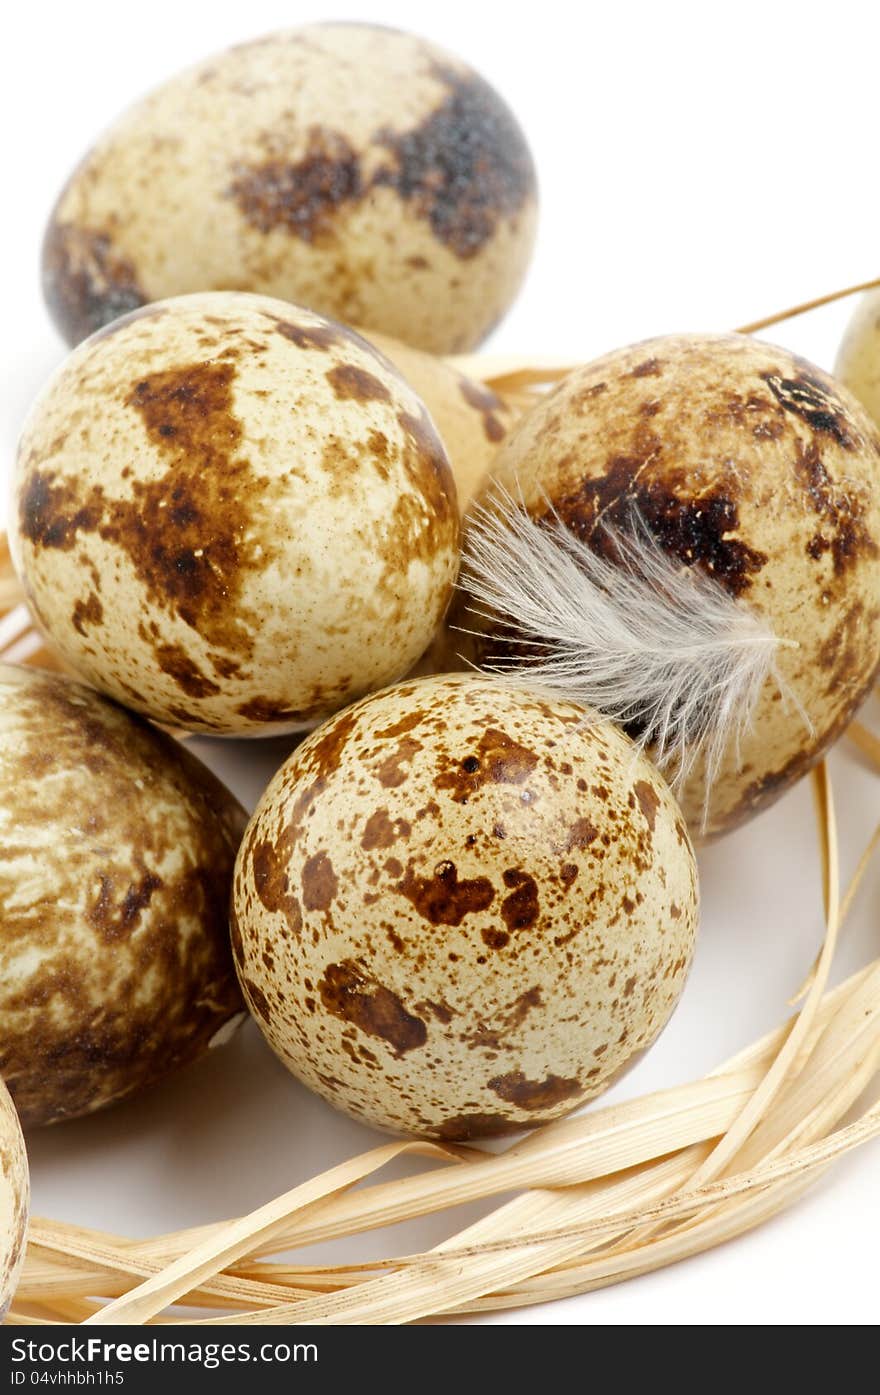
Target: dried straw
616, 1192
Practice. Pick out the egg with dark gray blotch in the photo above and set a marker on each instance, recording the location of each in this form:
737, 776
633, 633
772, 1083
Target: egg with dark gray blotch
754, 466
14, 1199
234, 515
116, 856
349, 167
471, 418
462, 910
858, 359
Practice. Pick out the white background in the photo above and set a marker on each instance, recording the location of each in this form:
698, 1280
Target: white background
700, 165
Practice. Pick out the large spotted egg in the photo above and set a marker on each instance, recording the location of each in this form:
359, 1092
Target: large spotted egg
755, 467
14, 1199
116, 856
234, 515
461, 910
352, 168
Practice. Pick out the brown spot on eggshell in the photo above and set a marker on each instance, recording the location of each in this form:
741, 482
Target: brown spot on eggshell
258, 1000
813, 401
270, 864
648, 800
303, 197
50, 515
443, 898
174, 660
492, 1033
403, 726
839, 655
465, 168
87, 281
842, 533
462, 1127
442, 1011
427, 465
86, 613
321, 336
648, 368
350, 993
184, 532
326, 746
381, 832
487, 403
353, 384
516, 1089
698, 529
519, 910
580, 835
263, 709
392, 770
115, 917
498, 759
319, 883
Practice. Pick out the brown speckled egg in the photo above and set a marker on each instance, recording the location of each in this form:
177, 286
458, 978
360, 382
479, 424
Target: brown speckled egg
116, 856
461, 910
471, 419
14, 1199
351, 168
858, 360
234, 515
757, 468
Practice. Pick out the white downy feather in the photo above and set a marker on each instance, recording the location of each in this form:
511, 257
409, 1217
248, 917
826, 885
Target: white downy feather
643, 639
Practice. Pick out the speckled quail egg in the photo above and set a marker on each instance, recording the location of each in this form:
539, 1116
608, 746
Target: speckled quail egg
753, 466
471, 419
462, 910
351, 168
116, 856
858, 360
14, 1199
234, 515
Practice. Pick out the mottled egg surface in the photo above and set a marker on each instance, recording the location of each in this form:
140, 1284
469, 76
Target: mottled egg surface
352, 168
753, 465
858, 360
233, 515
471, 418
461, 910
116, 856
14, 1199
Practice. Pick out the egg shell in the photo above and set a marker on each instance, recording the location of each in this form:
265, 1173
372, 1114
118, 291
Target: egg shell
116, 856
233, 515
858, 359
352, 168
755, 466
460, 910
14, 1200
471, 418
